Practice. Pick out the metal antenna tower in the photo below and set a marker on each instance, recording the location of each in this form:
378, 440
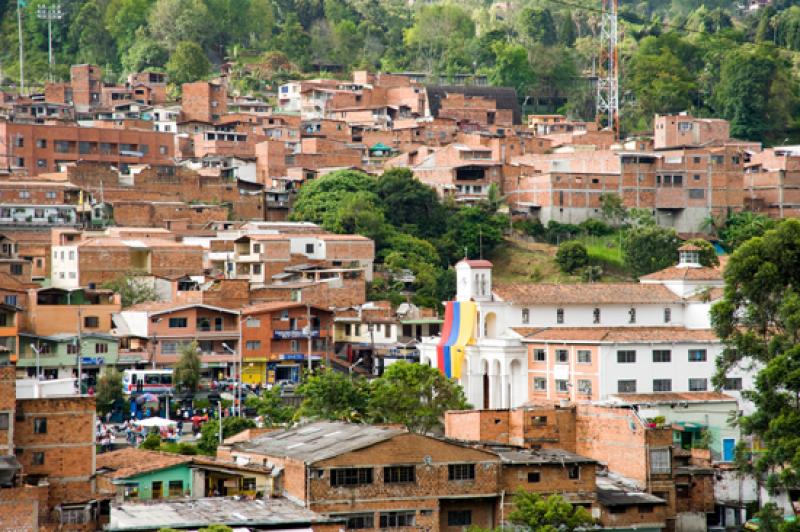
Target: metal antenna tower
50, 13
608, 73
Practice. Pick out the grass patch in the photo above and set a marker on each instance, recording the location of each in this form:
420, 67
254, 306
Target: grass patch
521, 260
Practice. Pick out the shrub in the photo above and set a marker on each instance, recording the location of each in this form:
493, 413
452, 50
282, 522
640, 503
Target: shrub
572, 256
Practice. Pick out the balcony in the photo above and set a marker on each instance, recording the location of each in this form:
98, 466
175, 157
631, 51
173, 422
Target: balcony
293, 334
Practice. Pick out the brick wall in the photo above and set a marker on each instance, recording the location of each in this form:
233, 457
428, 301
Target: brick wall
7, 405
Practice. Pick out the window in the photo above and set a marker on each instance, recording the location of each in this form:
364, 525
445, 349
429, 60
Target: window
698, 385
24, 194
534, 476
16, 269
253, 345
72, 349
459, 518
352, 476
585, 386
61, 146
626, 357
178, 323
41, 143
626, 386
526, 316
84, 147
256, 248
539, 384
697, 355
163, 149
596, 315
10, 300
4, 421
539, 355
309, 248
632, 315
697, 193
660, 461
667, 315
40, 425
38, 458
156, 489
733, 384
461, 472
256, 269
645, 508
398, 474
584, 356
252, 322
397, 519
91, 322
387, 331
662, 355
560, 315
539, 420
50, 195
175, 488
131, 491
169, 348
41, 163
359, 521
662, 385
574, 472
562, 356
100, 348
717, 159
562, 386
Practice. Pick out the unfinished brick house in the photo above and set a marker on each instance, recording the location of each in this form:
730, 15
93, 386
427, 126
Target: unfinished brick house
772, 182
379, 477
633, 455
47, 460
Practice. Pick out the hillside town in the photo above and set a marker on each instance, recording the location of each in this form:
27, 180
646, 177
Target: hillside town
172, 318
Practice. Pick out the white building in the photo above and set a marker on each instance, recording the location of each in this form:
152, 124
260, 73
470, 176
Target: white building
573, 342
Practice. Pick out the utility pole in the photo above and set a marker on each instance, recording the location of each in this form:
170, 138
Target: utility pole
50, 13
80, 353
608, 74
20, 5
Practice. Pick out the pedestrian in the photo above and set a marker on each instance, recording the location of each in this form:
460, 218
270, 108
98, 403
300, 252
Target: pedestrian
180, 428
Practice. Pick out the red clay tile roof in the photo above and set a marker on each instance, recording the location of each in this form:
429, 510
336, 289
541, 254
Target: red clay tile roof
617, 334
689, 247
585, 294
477, 263
688, 274
271, 306
130, 461
673, 397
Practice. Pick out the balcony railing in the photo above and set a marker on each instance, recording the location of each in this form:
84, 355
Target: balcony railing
291, 334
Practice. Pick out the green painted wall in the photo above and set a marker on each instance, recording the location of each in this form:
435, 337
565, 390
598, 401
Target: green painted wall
58, 355
180, 472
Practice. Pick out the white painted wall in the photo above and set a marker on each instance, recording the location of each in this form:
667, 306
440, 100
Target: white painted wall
297, 245
64, 267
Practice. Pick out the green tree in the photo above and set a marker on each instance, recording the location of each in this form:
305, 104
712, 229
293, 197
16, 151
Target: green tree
538, 25
209, 434
88, 34
439, 32
662, 82
152, 442
742, 226
145, 53
754, 91
414, 395
187, 370
475, 231
758, 321
333, 395
512, 68
173, 22
124, 17
409, 204
109, 390
293, 40
572, 256
133, 288
187, 63
548, 514
270, 407
649, 248
321, 197
612, 209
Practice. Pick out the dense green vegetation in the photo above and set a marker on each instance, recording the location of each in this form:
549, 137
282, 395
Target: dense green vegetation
706, 57
413, 231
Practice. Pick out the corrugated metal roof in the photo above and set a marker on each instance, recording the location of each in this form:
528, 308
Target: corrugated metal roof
318, 441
